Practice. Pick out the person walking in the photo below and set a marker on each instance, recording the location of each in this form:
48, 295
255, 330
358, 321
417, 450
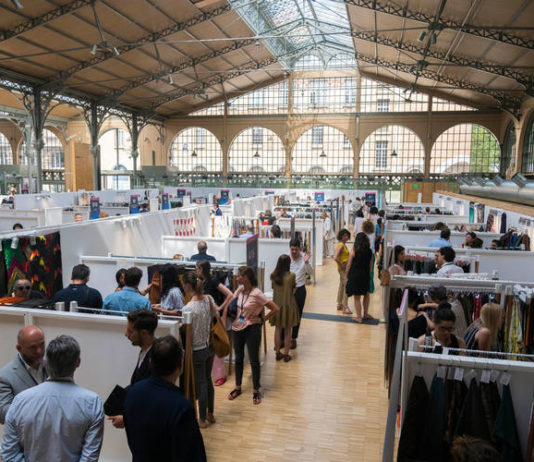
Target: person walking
247, 328
358, 275
341, 257
199, 307
284, 287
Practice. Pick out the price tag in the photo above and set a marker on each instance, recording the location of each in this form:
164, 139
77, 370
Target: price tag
469, 376
485, 376
505, 378
494, 376
442, 372
458, 374
445, 351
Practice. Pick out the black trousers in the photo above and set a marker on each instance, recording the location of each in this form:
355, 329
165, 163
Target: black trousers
251, 336
300, 297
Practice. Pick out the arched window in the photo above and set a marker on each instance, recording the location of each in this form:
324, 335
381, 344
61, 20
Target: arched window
195, 148
322, 149
528, 147
52, 156
509, 148
465, 148
392, 149
257, 149
342, 61
308, 62
325, 94
6, 153
382, 97
116, 155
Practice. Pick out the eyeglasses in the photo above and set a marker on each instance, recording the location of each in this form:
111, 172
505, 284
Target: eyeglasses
23, 288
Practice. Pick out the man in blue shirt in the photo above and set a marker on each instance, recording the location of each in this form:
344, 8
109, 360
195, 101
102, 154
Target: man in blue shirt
160, 422
443, 240
56, 420
202, 255
79, 291
128, 299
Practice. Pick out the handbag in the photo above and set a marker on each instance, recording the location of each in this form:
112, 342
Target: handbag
219, 340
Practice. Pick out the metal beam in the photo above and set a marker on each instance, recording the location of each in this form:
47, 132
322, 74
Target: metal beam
178, 68
504, 97
147, 39
490, 33
44, 19
496, 69
215, 81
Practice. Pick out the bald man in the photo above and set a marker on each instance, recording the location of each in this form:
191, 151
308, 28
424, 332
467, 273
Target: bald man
26, 370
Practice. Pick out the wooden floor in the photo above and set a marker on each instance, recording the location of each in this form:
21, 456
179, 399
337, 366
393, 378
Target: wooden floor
328, 404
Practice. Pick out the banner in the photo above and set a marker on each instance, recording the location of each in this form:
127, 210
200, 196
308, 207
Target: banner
180, 193
225, 195
134, 204
269, 191
370, 197
165, 201
319, 196
94, 208
252, 253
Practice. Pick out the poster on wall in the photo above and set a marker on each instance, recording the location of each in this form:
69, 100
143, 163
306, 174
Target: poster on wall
252, 253
134, 204
319, 196
165, 201
480, 212
180, 193
370, 197
94, 208
471, 212
269, 191
225, 196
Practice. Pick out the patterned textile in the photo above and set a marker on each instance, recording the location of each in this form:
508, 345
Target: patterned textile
41, 263
3, 276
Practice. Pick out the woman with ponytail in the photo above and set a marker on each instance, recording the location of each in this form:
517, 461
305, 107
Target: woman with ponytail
199, 307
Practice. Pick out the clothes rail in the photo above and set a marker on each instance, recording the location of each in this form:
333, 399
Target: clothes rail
487, 354
172, 260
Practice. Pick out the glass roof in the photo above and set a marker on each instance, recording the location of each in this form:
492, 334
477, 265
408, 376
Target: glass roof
292, 28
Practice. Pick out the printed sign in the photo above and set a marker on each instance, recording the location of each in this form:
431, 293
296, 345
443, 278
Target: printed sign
94, 208
370, 197
269, 191
252, 253
319, 197
180, 193
225, 195
165, 201
134, 204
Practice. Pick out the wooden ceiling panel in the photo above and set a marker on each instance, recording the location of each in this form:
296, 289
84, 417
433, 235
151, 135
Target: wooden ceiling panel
73, 26
232, 25
67, 111
186, 44
10, 17
182, 13
136, 58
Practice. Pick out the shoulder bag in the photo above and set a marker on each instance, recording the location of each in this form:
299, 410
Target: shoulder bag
218, 337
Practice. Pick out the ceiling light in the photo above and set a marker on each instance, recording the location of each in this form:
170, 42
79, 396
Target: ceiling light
17, 4
394, 153
257, 43
257, 155
432, 38
171, 81
115, 51
323, 154
194, 154
94, 49
422, 36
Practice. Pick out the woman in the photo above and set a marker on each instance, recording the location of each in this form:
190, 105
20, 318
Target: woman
379, 232
200, 309
442, 336
172, 298
397, 269
222, 296
284, 286
483, 333
119, 277
368, 228
247, 328
341, 257
358, 275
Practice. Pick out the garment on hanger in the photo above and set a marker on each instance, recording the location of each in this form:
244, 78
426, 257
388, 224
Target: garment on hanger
413, 416
455, 392
491, 401
503, 223
472, 421
505, 430
433, 428
515, 331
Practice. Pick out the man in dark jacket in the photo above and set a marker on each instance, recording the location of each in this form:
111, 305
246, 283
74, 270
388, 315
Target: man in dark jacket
160, 422
78, 291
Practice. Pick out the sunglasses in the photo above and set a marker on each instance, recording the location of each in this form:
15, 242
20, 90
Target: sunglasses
23, 288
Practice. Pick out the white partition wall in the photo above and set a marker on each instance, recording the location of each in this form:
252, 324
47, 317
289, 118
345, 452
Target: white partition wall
107, 356
422, 238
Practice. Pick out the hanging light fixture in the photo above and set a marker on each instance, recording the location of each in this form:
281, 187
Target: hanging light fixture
323, 154
394, 153
194, 154
256, 155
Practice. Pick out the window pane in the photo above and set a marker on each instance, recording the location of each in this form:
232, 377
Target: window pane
196, 150
257, 149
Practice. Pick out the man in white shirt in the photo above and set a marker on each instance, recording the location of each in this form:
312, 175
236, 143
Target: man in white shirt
300, 265
446, 258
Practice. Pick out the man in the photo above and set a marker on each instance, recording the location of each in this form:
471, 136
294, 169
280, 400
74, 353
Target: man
202, 255
469, 238
443, 240
78, 291
56, 420
78, 217
128, 299
26, 370
249, 232
446, 258
216, 210
300, 265
160, 422
140, 331
23, 288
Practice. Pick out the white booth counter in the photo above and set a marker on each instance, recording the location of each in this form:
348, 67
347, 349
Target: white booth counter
229, 250
107, 356
422, 238
431, 218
